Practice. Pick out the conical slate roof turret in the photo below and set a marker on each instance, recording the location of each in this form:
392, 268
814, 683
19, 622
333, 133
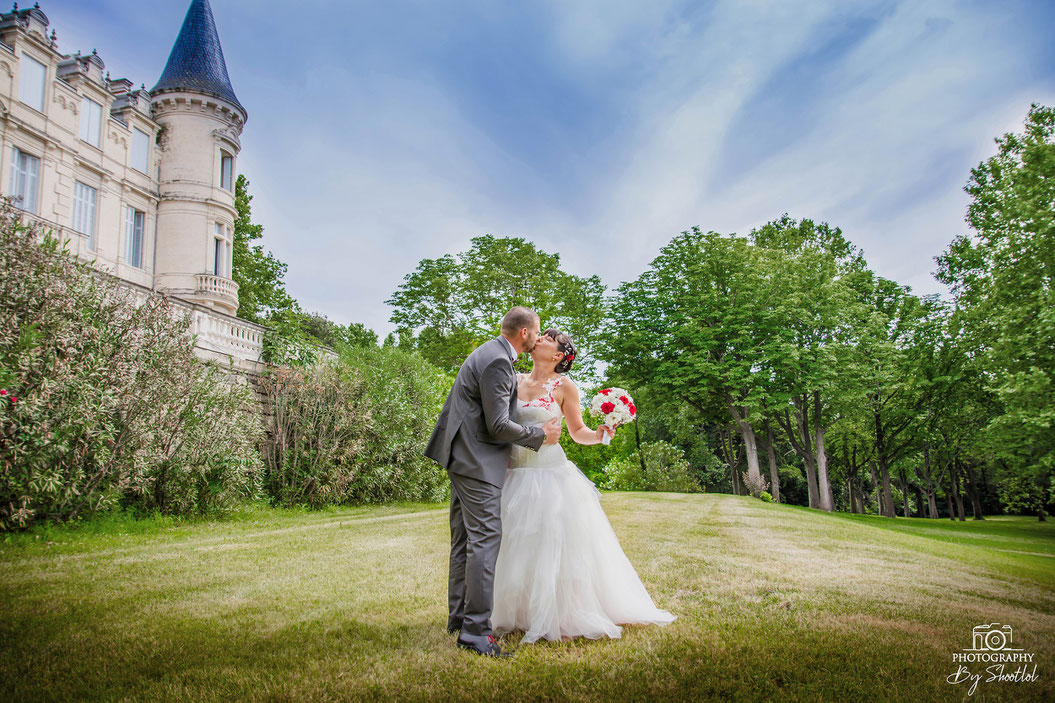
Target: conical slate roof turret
196, 63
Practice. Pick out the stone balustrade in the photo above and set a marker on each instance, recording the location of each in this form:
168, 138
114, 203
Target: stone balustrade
217, 288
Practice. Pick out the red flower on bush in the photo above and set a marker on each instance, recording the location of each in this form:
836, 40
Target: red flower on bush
3, 392
607, 407
14, 399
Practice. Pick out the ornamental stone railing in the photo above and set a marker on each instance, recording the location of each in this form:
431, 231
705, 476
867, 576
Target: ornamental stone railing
216, 287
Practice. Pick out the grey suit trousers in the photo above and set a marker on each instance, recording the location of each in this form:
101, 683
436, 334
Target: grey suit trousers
476, 535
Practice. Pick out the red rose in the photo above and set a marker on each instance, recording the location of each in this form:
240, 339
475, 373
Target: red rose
633, 410
3, 392
626, 401
607, 407
605, 392
14, 399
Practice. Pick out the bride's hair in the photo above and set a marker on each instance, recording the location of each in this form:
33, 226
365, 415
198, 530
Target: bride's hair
564, 345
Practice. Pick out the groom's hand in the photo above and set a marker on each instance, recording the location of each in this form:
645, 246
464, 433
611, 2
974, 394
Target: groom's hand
552, 430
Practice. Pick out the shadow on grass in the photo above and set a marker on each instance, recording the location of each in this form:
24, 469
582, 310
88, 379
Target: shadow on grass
758, 659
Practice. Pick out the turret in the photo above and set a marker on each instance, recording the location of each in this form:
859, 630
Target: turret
201, 120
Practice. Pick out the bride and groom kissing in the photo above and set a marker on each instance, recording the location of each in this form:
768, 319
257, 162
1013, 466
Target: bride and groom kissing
531, 548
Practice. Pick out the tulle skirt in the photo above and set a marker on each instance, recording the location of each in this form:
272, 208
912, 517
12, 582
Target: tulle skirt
560, 571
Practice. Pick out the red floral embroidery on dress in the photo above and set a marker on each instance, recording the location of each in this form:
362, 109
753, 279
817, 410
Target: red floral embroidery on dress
545, 401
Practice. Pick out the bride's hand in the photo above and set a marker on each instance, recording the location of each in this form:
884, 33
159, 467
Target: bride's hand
602, 430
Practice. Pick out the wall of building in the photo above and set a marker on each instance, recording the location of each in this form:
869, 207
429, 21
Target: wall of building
176, 187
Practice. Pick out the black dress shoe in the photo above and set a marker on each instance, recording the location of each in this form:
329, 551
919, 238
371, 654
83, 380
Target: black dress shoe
486, 646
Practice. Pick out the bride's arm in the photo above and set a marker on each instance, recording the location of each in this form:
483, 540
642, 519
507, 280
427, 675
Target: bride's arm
568, 398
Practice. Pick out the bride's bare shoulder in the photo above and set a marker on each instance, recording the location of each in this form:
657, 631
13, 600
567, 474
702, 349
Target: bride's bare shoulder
566, 385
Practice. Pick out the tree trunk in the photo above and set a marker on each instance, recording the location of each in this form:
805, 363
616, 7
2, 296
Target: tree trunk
954, 479
919, 500
972, 492
774, 476
743, 424
905, 512
888, 495
798, 434
884, 472
824, 486
731, 460
875, 486
932, 497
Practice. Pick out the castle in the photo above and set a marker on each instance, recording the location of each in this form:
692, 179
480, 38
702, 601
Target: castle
139, 182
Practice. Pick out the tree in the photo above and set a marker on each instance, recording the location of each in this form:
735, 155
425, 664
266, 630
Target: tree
816, 368
261, 290
1002, 278
337, 336
696, 325
452, 304
893, 395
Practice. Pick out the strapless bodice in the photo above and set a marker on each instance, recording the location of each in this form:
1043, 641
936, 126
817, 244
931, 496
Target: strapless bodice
535, 413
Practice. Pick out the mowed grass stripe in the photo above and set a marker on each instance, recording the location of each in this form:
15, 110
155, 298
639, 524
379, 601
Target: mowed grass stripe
773, 602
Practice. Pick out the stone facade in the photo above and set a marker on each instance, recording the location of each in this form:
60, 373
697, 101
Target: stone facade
139, 182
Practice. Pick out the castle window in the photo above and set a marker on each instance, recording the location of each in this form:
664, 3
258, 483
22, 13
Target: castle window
84, 211
25, 172
226, 170
217, 257
140, 150
91, 119
31, 76
134, 237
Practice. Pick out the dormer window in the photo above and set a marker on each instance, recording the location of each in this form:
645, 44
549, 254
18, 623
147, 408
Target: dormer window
226, 170
91, 121
140, 150
32, 74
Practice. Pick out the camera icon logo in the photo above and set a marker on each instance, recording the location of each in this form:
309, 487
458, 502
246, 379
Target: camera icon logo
992, 638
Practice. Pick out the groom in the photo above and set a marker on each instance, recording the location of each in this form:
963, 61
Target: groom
473, 439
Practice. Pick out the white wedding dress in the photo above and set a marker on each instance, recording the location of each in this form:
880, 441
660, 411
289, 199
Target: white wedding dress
561, 572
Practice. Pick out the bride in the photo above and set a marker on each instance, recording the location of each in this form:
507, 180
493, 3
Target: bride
560, 572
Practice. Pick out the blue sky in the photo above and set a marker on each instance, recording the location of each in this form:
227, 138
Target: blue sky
381, 133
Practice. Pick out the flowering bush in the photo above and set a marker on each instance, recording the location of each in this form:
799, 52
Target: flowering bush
754, 487
354, 430
105, 403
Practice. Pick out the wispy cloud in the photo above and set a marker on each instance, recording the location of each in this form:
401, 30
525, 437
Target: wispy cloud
383, 133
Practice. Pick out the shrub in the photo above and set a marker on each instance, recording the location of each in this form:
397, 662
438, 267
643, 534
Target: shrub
112, 405
766, 498
665, 469
754, 487
354, 430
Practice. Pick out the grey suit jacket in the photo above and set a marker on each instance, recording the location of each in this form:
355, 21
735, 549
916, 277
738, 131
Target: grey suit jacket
480, 416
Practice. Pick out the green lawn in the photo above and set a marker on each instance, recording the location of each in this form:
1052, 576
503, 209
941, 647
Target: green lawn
773, 603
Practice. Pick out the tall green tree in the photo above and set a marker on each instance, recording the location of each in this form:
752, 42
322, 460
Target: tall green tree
452, 304
816, 368
259, 275
697, 324
1002, 276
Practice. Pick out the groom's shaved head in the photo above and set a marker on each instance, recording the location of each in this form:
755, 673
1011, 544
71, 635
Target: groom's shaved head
517, 319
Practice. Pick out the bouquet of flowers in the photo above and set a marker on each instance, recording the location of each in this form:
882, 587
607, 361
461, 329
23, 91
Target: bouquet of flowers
617, 407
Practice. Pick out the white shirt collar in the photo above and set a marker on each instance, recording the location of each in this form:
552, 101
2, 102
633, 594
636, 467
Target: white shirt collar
512, 352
